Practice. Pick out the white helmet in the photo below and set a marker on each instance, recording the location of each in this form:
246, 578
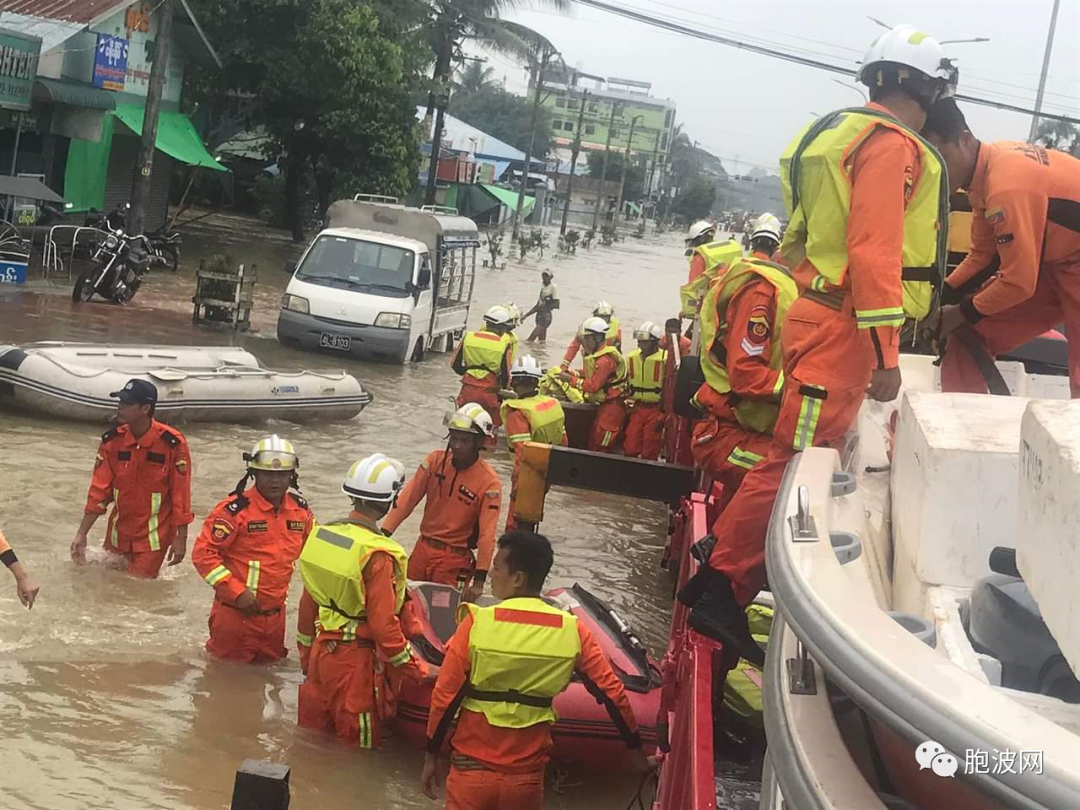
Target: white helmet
907, 46
526, 366
472, 418
499, 315
603, 308
698, 229
767, 225
272, 454
515, 313
376, 478
594, 326
649, 331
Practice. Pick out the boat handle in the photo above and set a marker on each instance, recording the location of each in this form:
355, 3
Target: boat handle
803, 528
800, 669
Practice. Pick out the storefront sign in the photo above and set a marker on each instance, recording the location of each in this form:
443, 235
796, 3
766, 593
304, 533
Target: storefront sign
18, 69
12, 272
110, 62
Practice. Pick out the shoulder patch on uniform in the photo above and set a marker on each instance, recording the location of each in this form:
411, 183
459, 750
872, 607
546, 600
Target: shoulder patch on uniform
170, 438
995, 216
237, 505
492, 494
760, 325
220, 529
299, 500
1005, 239
181, 465
109, 435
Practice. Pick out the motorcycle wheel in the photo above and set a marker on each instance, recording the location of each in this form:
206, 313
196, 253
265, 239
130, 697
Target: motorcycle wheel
173, 255
83, 290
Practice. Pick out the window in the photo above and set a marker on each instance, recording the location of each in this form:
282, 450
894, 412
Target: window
556, 124
663, 141
615, 134
355, 264
560, 102
573, 104
667, 119
590, 129
593, 106
568, 126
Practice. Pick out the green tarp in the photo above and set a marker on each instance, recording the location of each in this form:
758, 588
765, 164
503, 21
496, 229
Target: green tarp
176, 137
510, 198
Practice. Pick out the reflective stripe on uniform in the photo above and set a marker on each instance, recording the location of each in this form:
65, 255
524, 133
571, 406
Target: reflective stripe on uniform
304, 640
254, 567
744, 458
779, 383
514, 438
402, 657
217, 575
809, 413
152, 527
889, 316
608, 435
365, 729
818, 283
115, 536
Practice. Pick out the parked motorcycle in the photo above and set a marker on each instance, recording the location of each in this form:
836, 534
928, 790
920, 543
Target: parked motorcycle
166, 246
120, 263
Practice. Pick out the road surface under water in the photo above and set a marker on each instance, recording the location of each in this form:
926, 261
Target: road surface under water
107, 698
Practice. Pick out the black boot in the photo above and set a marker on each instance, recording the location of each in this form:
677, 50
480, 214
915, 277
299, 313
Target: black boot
717, 615
695, 586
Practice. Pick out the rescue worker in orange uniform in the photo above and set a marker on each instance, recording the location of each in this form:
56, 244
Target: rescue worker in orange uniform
676, 427
742, 319
709, 257
605, 312
645, 378
25, 586
868, 202
603, 382
529, 417
353, 647
143, 468
521, 646
483, 360
1022, 276
246, 552
461, 513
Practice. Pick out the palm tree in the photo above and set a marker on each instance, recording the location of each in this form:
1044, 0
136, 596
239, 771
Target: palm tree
475, 77
455, 21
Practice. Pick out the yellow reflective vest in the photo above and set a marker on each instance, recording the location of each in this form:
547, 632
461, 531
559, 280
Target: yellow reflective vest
615, 385
717, 256
522, 653
482, 353
742, 687
756, 415
646, 375
547, 420
332, 566
815, 172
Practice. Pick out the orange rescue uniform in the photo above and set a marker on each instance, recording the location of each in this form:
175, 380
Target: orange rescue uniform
461, 514
1026, 233
517, 424
575, 346
248, 544
351, 685
611, 415
483, 391
494, 768
148, 482
828, 359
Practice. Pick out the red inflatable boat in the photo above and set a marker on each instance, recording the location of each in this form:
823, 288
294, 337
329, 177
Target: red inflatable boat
584, 735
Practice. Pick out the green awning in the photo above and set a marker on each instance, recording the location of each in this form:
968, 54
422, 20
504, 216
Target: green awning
176, 136
510, 198
78, 95
635, 208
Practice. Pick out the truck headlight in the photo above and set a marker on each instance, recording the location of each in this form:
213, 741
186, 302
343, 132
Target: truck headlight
294, 303
394, 320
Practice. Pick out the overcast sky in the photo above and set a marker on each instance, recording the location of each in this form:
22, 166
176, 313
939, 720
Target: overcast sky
741, 104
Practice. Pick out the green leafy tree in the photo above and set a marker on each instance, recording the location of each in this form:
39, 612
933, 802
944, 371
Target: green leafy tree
504, 115
697, 199
635, 172
1060, 135
475, 77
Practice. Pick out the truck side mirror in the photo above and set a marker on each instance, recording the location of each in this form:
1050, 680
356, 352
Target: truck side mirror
423, 278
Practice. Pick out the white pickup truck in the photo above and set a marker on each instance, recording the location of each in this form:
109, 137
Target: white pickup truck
382, 282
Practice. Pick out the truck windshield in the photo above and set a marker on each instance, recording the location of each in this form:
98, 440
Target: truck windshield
358, 264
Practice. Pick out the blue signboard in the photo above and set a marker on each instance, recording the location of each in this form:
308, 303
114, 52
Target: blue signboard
12, 272
110, 62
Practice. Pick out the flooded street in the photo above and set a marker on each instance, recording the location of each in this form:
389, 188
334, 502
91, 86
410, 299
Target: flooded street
107, 698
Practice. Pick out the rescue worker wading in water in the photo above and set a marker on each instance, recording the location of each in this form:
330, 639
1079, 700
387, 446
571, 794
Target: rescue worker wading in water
529, 417
868, 199
742, 319
602, 381
353, 647
246, 552
461, 512
483, 360
143, 468
613, 333
645, 379
504, 666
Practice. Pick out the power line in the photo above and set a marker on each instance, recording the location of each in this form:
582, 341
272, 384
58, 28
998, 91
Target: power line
674, 27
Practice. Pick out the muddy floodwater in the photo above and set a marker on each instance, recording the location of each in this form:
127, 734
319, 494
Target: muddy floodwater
107, 698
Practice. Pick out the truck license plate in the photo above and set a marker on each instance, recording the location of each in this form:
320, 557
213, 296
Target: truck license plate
328, 340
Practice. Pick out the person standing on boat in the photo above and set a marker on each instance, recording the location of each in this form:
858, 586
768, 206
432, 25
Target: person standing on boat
546, 304
742, 319
143, 469
483, 361
529, 417
645, 377
504, 666
603, 382
350, 634
462, 497
709, 257
246, 552
25, 586
1022, 276
868, 200
613, 332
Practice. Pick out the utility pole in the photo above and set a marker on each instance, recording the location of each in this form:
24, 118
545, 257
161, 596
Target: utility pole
652, 173
625, 165
1045, 70
573, 164
615, 108
536, 75
440, 94
144, 164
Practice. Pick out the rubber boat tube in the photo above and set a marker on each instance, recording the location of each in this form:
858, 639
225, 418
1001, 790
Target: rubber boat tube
896, 679
74, 381
584, 735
